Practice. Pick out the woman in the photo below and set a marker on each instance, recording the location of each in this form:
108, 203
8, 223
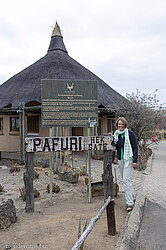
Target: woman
127, 151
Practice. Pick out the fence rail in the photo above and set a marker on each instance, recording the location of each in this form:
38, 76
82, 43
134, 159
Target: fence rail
85, 234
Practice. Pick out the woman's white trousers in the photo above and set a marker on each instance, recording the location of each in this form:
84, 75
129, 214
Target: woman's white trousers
126, 169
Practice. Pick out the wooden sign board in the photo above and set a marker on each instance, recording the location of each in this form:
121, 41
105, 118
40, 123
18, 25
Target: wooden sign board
68, 143
67, 103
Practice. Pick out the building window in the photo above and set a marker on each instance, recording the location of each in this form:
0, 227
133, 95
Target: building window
14, 124
1, 124
110, 124
33, 124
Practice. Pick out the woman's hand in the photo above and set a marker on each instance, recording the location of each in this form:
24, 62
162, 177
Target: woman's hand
134, 164
110, 133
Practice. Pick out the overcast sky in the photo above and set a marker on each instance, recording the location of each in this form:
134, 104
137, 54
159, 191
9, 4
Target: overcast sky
121, 41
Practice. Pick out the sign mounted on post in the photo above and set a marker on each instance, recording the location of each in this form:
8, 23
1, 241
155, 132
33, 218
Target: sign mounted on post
67, 103
68, 143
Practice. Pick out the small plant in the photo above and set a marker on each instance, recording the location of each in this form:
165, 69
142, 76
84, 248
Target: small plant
36, 193
23, 193
1, 188
79, 231
14, 169
36, 175
83, 170
55, 188
71, 158
75, 159
66, 163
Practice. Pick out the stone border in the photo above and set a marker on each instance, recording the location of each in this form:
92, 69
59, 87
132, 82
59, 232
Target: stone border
149, 165
130, 231
129, 240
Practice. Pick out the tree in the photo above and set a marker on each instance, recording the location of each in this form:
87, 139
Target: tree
143, 113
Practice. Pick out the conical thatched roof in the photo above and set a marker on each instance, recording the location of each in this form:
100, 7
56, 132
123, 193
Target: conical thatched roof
56, 64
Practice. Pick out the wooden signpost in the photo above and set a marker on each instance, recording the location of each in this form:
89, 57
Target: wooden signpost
73, 143
58, 144
67, 103
66, 143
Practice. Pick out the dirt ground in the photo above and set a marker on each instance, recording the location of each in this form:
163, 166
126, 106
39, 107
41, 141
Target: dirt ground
56, 227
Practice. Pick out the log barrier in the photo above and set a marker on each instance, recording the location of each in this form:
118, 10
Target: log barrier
85, 234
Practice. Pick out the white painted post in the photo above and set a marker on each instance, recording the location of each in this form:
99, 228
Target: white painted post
89, 170
54, 153
51, 166
63, 157
23, 129
21, 133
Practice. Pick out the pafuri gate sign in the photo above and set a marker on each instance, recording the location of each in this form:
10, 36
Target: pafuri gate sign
68, 143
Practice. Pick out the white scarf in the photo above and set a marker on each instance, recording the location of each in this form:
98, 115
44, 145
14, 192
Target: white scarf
128, 153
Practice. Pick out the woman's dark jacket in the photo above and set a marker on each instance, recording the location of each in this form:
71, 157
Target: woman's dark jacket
133, 141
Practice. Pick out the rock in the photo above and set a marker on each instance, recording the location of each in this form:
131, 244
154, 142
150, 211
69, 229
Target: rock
67, 174
7, 214
97, 189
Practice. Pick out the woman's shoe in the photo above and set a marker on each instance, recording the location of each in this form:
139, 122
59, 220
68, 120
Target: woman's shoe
130, 208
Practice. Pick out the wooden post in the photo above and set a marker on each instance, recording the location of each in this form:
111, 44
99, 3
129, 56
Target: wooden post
58, 153
54, 153
108, 191
93, 134
28, 181
22, 132
51, 167
89, 170
63, 152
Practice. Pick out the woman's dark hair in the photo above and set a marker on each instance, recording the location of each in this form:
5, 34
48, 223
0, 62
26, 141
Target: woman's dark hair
123, 120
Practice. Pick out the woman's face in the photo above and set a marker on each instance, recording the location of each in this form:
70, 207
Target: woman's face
121, 126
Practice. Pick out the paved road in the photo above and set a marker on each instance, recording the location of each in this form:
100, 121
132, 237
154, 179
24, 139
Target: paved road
153, 227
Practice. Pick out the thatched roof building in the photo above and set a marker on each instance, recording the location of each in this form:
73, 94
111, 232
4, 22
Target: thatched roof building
56, 64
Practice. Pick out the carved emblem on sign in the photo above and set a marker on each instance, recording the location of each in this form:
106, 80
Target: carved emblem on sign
70, 86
